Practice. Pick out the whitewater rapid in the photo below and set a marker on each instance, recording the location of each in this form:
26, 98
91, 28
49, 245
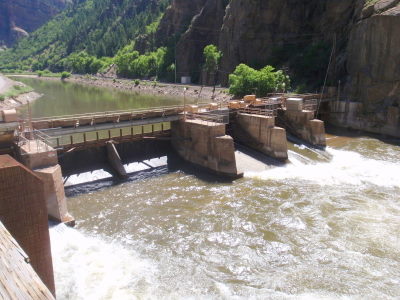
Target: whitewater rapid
325, 226
345, 167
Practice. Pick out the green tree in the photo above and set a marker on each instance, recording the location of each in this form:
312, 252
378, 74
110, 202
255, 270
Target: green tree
246, 80
212, 57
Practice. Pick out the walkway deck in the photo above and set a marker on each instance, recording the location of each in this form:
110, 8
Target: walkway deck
18, 280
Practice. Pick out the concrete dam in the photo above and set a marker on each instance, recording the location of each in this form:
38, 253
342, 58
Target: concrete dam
47, 150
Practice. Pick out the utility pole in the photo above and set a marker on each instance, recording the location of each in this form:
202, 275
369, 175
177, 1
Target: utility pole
184, 103
175, 59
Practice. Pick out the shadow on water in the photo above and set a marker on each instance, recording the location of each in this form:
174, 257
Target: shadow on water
353, 133
97, 185
267, 160
177, 164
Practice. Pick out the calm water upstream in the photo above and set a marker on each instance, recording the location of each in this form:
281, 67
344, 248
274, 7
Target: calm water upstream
65, 98
321, 227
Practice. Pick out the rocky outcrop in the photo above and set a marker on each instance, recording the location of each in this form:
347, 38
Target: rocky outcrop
177, 18
203, 30
19, 17
255, 30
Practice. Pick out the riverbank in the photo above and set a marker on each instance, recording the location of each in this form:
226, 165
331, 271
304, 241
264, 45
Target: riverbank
15, 94
149, 87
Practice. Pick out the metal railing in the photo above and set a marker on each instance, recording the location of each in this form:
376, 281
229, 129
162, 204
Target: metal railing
259, 111
270, 101
111, 113
209, 117
36, 141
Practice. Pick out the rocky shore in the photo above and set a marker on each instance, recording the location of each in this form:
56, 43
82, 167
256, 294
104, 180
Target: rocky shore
157, 88
15, 101
204, 94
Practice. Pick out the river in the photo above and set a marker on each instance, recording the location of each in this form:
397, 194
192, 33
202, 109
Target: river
325, 226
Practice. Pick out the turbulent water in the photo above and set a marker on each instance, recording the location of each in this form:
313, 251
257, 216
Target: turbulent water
326, 226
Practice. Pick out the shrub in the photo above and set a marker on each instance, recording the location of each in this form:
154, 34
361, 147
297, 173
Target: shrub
137, 82
246, 80
40, 73
2, 97
65, 75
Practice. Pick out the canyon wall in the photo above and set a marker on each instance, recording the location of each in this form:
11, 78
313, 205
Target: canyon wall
287, 33
19, 17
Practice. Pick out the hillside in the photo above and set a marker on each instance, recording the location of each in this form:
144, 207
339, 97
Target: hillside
20, 17
98, 27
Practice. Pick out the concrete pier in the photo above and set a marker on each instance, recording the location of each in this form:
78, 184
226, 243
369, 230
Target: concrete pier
260, 133
43, 160
115, 160
55, 194
305, 126
205, 144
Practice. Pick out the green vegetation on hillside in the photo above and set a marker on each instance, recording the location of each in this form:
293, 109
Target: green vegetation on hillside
246, 80
85, 36
133, 65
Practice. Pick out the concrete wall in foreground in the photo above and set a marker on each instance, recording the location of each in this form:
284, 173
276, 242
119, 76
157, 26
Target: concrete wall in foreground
260, 133
205, 144
23, 212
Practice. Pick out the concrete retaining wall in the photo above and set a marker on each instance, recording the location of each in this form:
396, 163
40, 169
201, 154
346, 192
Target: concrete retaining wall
351, 115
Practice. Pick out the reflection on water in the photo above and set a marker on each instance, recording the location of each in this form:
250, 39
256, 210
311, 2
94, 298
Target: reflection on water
65, 98
325, 226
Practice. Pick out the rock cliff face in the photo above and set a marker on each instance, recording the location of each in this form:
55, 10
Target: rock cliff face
256, 32
373, 57
19, 17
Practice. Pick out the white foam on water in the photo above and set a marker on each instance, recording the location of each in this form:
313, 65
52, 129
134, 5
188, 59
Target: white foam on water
87, 177
345, 167
100, 174
90, 268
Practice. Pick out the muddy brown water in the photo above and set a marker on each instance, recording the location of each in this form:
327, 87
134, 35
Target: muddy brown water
324, 226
